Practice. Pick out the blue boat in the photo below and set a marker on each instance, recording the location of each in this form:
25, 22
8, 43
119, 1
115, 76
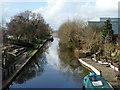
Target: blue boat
93, 81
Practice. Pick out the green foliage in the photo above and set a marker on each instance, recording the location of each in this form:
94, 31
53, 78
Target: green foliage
20, 43
36, 42
117, 63
107, 32
35, 51
103, 57
43, 38
115, 56
40, 45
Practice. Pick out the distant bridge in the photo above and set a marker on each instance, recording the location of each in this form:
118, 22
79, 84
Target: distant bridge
54, 34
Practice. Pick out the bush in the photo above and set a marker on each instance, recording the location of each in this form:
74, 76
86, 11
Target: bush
35, 50
117, 63
21, 43
33, 53
115, 57
103, 57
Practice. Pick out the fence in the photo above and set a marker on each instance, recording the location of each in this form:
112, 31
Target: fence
7, 72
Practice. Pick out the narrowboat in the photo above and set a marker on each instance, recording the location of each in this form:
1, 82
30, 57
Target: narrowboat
93, 81
50, 38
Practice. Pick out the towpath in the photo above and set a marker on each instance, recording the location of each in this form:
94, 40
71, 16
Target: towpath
107, 72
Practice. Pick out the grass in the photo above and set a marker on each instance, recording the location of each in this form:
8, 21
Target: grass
30, 45
40, 45
23, 43
20, 43
35, 51
85, 51
43, 38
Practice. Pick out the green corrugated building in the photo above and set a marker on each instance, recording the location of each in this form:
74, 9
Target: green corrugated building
114, 21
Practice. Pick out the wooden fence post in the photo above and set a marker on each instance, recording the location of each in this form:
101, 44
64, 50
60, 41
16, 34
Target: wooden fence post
14, 66
11, 69
3, 75
8, 71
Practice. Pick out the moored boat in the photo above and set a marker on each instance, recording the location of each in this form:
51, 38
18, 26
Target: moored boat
94, 81
50, 38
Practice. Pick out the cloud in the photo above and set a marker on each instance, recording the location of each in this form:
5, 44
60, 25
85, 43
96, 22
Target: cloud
52, 56
57, 11
38, 10
53, 12
44, 0
6, 14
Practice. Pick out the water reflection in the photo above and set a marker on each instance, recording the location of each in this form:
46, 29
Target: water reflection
52, 55
34, 68
70, 64
53, 67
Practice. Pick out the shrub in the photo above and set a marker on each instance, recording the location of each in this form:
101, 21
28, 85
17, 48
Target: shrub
20, 43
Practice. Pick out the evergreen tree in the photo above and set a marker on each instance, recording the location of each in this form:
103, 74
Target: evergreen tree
107, 32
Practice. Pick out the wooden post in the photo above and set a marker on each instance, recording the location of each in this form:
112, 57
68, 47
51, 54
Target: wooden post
100, 73
4, 76
11, 69
8, 71
14, 66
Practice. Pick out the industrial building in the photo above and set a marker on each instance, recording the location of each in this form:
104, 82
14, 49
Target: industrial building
114, 21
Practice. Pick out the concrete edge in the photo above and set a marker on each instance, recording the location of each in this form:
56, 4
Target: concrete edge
91, 67
40, 48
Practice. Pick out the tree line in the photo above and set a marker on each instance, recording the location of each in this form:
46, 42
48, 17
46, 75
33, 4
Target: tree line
28, 26
77, 34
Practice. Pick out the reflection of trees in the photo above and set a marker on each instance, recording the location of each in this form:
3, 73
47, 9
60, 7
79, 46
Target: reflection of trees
34, 68
70, 64
67, 57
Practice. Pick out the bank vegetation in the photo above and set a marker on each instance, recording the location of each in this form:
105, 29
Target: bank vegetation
26, 27
81, 37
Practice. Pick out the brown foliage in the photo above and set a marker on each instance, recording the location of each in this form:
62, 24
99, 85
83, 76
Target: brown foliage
118, 39
76, 34
69, 32
27, 26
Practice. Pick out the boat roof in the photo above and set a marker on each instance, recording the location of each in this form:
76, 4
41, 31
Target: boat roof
100, 82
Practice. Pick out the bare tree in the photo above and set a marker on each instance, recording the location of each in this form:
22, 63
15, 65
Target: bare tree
27, 26
76, 33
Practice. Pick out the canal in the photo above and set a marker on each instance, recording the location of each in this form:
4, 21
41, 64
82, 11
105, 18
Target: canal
52, 67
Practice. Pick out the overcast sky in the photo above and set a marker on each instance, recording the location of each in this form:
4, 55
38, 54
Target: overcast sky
55, 12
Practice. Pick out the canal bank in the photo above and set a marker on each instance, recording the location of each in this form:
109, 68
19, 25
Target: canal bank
107, 72
20, 65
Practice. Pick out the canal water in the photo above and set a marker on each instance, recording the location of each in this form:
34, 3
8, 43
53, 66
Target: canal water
52, 67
